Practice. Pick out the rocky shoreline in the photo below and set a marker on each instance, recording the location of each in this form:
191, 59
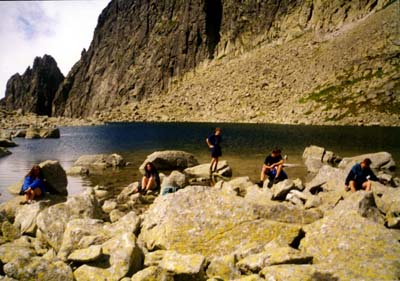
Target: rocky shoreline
218, 228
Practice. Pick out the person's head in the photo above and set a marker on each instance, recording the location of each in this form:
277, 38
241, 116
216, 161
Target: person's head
217, 131
276, 152
149, 167
35, 171
366, 163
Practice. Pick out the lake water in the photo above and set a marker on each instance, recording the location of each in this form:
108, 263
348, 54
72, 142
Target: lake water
244, 147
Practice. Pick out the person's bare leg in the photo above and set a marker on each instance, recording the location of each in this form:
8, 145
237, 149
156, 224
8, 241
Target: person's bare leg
278, 171
37, 192
144, 184
151, 183
211, 165
366, 185
216, 164
352, 185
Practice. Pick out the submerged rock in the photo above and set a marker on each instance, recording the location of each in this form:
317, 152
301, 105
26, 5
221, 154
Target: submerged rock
4, 152
95, 163
7, 143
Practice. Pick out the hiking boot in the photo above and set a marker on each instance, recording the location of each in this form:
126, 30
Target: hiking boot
270, 183
260, 183
276, 181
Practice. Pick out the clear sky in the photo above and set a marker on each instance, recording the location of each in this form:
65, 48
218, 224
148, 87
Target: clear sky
33, 28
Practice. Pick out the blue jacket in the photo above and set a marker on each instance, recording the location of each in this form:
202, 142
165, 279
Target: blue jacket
33, 183
360, 175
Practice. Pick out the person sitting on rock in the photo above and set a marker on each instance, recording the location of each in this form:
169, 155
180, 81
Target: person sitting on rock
34, 185
150, 180
360, 176
272, 167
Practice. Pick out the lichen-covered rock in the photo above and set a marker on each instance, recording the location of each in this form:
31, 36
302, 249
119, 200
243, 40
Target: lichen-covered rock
25, 219
203, 170
15, 249
295, 272
211, 222
78, 170
53, 220
56, 177
188, 266
32, 133
223, 267
9, 231
170, 160
329, 177
108, 206
352, 246
154, 258
37, 268
275, 256
75, 230
124, 256
380, 160
115, 215
86, 255
152, 273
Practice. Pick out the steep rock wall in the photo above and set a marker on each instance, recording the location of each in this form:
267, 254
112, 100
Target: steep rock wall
139, 47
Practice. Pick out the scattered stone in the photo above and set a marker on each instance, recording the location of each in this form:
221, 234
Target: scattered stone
223, 267
108, 206
152, 273
115, 215
189, 266
86, 255
281, 189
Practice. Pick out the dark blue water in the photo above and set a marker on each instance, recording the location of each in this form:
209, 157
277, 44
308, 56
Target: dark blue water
244, 146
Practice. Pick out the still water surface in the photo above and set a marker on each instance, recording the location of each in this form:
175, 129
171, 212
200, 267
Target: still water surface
244, 146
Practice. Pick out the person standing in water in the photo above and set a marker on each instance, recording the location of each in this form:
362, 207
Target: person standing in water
214, 143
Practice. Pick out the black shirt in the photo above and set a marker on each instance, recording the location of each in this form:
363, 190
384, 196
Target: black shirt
269, 160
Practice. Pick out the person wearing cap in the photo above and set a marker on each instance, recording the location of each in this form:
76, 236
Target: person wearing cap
360, 176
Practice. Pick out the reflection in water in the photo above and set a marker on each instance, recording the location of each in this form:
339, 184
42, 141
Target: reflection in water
244, 146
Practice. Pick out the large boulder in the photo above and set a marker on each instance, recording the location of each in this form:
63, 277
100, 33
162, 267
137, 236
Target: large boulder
87, 164
223, 267
16, 249
52, 221
208, 221
175, 180
170, 160
4, 152
351, 244
314, 157
7, 143
55, 176
380, 160
328, 178
203, 170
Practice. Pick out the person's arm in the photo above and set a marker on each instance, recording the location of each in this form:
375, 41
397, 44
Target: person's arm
372, 176
37, 183
208, 143
277, 163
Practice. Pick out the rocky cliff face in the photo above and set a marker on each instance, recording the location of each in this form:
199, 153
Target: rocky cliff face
143, 50
34, 91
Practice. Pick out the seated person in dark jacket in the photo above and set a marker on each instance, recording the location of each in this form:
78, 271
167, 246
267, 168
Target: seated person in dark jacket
34, 185
359, 176
273, 168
